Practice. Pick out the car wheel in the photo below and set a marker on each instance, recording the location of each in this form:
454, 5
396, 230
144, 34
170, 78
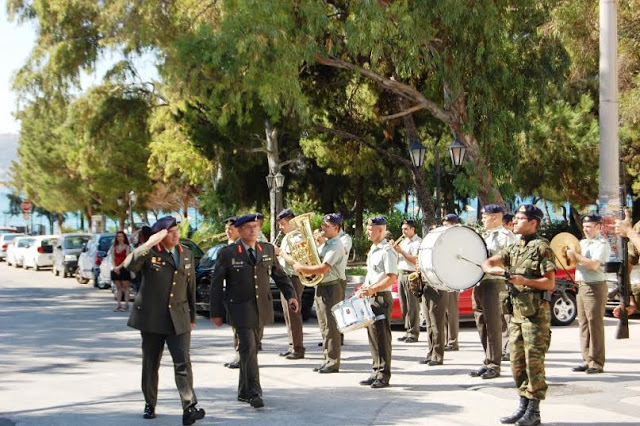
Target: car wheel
563, 312
79, 277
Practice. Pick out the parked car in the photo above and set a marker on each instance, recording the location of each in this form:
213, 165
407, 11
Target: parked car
39, 254
19, 250
4, 242
91, 257
66, 252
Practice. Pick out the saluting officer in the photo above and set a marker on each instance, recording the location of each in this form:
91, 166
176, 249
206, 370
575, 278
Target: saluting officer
382, 272
486, 295
329, 292
532, 275
164, 311
246, 267
592, 293
407, 260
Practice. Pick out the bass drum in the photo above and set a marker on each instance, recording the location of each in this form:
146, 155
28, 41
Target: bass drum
449, 257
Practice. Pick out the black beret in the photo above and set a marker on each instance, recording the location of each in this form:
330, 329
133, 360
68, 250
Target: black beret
596, 218
492, 208
531, 210
253, 217
334, 218
166, 222
285, 213
231, 220
377, 220
508, 217
453, 218
410, 222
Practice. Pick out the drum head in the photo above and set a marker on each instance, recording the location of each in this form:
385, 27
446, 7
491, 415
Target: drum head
456, 254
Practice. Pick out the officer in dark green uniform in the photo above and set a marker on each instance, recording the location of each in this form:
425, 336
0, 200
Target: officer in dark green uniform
246, 265
531, 275
164, 311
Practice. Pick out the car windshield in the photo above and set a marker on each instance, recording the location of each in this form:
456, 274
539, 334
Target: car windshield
105, 242
9, 237
25, 242
74, 242
209, 259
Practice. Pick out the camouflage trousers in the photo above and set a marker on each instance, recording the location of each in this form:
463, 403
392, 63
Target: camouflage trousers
529, 340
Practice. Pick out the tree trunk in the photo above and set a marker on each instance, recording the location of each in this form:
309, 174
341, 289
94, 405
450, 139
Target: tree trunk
358, 207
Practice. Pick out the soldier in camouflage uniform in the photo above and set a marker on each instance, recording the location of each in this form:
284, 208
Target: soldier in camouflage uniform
531, 274
623, 228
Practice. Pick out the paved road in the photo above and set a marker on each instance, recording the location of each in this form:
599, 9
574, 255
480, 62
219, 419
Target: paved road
68, 359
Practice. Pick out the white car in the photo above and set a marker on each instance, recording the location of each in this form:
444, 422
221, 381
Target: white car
15, 253
39, 254
4, 242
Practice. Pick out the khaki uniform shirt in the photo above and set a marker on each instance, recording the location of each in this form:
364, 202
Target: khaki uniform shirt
333, 254
381, 260
347, 242
597, 248
411, 246
286, 247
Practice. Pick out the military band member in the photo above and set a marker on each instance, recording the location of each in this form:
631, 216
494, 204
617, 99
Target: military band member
164, 312
532, 274
452, 316
507, 221
592, 293
329, 292
347, 243
486, 295
407, 251
293, 320
246, 267
624, 229
382, 272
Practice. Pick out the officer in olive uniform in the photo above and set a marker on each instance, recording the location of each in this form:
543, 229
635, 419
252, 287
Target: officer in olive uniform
329, 291
486, 295
592, 293
531, 274
246, 267
382, 272
164, 311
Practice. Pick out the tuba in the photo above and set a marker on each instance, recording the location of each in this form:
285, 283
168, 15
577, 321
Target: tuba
303, 248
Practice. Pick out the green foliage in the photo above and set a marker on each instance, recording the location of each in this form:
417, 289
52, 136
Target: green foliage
549, 231
202, 236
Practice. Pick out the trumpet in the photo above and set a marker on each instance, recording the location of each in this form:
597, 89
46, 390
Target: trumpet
398, 241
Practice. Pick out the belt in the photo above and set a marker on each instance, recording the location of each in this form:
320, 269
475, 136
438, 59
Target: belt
407, 271
590, 283
328, 283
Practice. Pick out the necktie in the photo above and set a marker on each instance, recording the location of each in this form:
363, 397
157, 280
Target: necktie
252, 254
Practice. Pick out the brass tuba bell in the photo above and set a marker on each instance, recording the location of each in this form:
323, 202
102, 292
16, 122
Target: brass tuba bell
303, 248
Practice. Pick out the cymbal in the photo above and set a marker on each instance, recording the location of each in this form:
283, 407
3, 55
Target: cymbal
560, 244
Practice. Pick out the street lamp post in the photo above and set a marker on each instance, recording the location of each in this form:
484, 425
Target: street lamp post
275, 182
132, 198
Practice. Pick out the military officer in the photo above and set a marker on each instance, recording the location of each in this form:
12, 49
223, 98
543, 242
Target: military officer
407, 251
531, 276
164, 311
452, 314
293, 320
592, 293
246, 266
329, 292
382, 272
486, 295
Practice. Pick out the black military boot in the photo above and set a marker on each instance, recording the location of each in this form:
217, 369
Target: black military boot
532, 415
522, 408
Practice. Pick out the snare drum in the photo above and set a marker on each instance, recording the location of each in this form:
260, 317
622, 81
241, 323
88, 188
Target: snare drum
353, 314
449, 258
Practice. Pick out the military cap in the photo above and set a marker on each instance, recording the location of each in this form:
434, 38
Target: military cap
231, 220
285, 213
166, 222
334, 218
595, 218
410, 222
492, 208
453, 218
252, 217
531, 210
377, 220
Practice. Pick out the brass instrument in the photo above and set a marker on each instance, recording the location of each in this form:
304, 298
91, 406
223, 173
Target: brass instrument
398, 241
278, 239
303, 248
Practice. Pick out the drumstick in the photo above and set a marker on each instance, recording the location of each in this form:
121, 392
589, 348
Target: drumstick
459, 256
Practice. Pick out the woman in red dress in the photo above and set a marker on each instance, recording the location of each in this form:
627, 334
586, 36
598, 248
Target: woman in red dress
120, 276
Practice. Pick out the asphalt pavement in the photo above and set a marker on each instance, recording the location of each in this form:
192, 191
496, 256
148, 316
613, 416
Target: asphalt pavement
68, 359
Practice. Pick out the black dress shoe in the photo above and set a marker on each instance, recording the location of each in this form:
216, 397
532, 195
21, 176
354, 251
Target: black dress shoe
256, 402
479, 372
594, 370
505, 357
243, 399
328, 370
149, 412
367, 382
579, 369
191, 415
451, 348
285, 353
434, 363
379, 384
294, 355
233, 364
402, 339
410, 339
490, 374
318, 368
